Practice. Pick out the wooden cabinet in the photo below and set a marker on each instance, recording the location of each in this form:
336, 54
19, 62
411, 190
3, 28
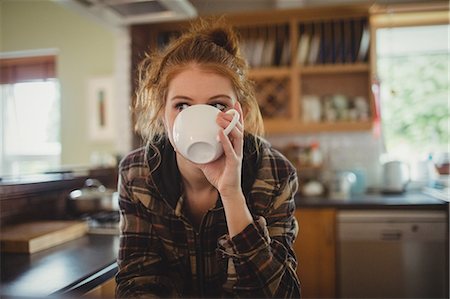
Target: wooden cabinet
294, 54
315, 248
105, 290
323, 83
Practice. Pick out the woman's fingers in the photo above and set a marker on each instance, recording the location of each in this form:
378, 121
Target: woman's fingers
235, 137
228, 148
238, 108
224, 121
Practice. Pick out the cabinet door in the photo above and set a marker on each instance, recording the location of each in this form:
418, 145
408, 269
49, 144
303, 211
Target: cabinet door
105, 290
315, 251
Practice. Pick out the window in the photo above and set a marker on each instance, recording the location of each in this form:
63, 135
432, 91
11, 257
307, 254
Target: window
30, 116
413, 68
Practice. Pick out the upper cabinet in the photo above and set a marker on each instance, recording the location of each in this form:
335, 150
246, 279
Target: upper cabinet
310, 66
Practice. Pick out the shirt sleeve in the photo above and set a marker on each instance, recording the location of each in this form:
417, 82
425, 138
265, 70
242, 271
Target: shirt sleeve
261, 262
141, 271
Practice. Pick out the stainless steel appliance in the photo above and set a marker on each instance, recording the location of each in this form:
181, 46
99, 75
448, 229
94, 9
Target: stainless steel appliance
93, 198
392, 254
97, 205
105, 223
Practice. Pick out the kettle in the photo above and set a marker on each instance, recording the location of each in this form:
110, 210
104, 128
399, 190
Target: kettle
396, 176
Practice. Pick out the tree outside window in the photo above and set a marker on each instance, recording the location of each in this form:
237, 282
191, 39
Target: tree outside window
413, 68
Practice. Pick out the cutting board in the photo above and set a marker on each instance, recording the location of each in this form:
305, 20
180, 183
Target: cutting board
39, 235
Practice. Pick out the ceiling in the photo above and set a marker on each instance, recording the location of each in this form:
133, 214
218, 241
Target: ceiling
126, 12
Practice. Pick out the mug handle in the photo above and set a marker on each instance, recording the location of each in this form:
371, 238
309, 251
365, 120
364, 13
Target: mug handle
233, 121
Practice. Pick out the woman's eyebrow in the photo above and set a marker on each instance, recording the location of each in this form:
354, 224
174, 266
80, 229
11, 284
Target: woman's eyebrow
181, 98
220, 96
186, 98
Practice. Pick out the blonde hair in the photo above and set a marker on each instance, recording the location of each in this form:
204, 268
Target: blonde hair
209, 45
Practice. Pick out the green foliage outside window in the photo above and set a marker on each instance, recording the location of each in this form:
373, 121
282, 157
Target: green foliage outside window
415, 102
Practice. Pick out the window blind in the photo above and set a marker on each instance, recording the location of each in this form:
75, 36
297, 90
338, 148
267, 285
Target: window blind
24, 69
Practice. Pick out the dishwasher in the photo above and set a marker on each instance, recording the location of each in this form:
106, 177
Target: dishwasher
392, 254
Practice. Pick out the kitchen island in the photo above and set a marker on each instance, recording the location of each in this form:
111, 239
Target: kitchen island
67, 270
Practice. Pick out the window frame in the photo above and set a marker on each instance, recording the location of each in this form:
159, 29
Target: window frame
396, 16
390, 16
24, 69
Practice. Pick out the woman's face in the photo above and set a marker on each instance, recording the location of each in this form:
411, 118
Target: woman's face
196, 86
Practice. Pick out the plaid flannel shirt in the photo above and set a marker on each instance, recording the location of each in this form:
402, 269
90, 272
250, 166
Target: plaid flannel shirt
162, 255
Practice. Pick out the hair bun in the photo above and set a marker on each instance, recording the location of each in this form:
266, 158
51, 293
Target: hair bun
224, 38
219, 33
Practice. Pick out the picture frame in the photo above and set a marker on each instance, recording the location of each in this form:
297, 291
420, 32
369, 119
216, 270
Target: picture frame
100, 109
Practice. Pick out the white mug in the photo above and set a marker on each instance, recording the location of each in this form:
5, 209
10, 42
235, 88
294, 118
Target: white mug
195, 133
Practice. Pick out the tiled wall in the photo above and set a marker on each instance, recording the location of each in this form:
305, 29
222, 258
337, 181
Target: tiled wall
343, 151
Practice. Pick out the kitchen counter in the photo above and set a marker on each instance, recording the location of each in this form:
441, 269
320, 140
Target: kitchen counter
75, 267
408, 200
70, 269
44, 196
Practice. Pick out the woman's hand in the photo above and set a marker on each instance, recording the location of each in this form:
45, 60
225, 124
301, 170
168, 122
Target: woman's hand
225, 173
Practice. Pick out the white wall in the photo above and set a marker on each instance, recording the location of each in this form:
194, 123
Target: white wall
86, 49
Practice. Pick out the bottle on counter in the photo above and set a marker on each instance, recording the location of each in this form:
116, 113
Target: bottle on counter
316, 157
424, 173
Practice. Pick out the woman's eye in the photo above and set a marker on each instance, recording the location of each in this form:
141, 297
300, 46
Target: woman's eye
219, 106
181, 106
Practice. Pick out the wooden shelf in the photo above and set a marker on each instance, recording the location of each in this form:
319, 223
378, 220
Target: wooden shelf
274, 42
274, 72
277, 126
334, 68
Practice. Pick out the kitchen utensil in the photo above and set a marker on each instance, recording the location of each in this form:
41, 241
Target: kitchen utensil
312, 110
341, 185
312, 188
93, 198
359, 187
396, 176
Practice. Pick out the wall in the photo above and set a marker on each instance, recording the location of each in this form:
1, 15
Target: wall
85, 49
357, 151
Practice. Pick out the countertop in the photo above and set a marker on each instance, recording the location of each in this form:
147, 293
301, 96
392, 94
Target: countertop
78, 266
408, 200
69, 269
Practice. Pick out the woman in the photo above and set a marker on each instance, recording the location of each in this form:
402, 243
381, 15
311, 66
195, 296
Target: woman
222, 229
